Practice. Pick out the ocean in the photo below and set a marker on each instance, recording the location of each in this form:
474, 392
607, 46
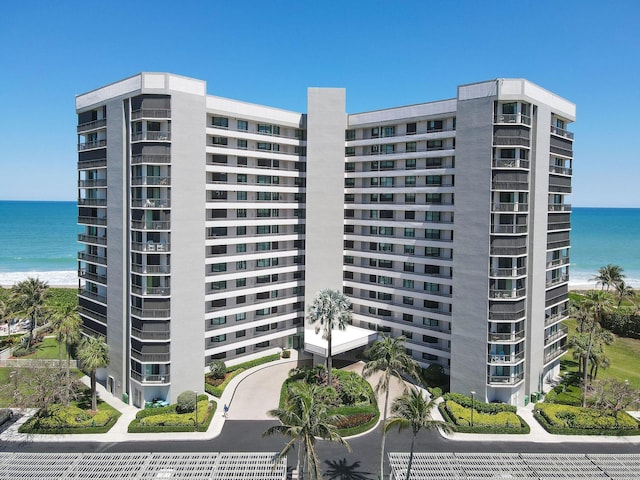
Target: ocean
39, 239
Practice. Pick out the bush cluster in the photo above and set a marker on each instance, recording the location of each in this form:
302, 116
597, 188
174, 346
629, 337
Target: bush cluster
70, 419
462, 416
216, 391
498, 429
490, 408
565, 395
167, 419
355, 420
254, 363
623, 322
571, 417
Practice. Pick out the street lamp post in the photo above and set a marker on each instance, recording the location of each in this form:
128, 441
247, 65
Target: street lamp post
473, 394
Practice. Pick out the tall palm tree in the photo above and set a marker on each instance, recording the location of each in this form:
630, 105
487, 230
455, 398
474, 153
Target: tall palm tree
412, 410
599, 304
305, 418
330, 309
389, 356
93, 354
5, 315
28, 297
68, 330
623, 291
608, 275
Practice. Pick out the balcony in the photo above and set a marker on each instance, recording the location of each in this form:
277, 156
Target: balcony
152, 159
88, 257
89, 164
508, 272
143, 378
83, 127
508, 294
514, 140
508, 250
556, 262
151, 225
510, 207
509, 229
150, 335
150, 247
162, 181
559, 207
563, 331
150, 357
96, 182
151, 113
92, 202
506, 316
551, 356
505, 379
151, 269
561, 132
150, 313
151, 203
512, 118
85, 312
510, 163
151, 291
498, 337
93, 277
505, 359
560, 170
91, 145
151, 136
92, 239
92, 295
555, 318
558, 280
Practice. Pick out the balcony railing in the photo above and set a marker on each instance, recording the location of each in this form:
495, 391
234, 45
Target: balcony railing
151, 181
560, 170
144, 378
559, 207
98, 182
151, 269
87, 257
506, 316
549, 357
151, 225
510, 207
91, 314
150, 247
556, 317
563, 331
92, 125
509, 229
151, 136
92, 144
512, 118
505, 359
508, 272
150, 335
163, 159
561, 132
555, 281
505, 379
94, 277
511, 140
510, 163
151, 291
510, 186
150, 357
505, 337
514, 293
151, 113
151, 203
88, 164
82, 237
558, 262
92, 202
508, 250
150, 313
92, 295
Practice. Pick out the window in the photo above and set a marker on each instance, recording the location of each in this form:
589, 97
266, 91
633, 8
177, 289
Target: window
241, 247
263, 212
261, 246
388, 148
429, 356
240, 299
410, 181
262, 344
222, 122
410, 232
432, 234
432, 216
410, 164
218, 338
407, 317
434, 162
241, 178
409, 198
382, 280
241, 265
409, 249
241, 350
431, 287
411, 128
434, 180
386, 181
218, 321
243, 125
242, 144
218, 285
434, 145
350, 167
409, 267
241, 316
385, 263
431, 252
262, 328
349, 152
241, 213
385, 231
219, 140
386, 197
410, 147
388, 131
263, 229
241, 282
241, 230
268, 129
241, 195
242, 161
434, 198
410, 215
429, 339
219, 267
385, 247
407, 300
509, 108
375, 132
430, 322
350, 135
434, 125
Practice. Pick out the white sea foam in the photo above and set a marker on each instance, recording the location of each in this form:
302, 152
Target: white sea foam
60, 278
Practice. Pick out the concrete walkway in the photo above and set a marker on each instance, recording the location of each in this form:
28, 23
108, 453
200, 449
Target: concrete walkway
251, 394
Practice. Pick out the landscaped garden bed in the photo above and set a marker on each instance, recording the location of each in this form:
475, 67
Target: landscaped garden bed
220, 376
350, 396
171, 419
487, 417
572, 420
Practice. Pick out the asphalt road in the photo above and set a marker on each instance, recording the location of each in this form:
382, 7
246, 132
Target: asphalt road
246, 436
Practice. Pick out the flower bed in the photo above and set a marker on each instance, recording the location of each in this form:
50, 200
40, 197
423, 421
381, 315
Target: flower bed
166, 419
60, 419
571, 420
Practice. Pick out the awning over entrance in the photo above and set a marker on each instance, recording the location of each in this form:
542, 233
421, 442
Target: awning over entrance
341, 340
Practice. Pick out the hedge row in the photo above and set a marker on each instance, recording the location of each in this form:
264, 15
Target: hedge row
217, 391
522, 429
570, 420
565, 395
254, 363
483, 407
166, 419
462, 417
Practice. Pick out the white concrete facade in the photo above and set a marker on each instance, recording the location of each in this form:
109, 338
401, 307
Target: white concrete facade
209, 224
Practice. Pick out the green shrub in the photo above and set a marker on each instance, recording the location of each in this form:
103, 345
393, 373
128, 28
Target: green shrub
435, 392
353, 389
217, 391
186, 402
254, 363
565, 394
218, 369
497, 429
479, 406
61, 419
568, 417
462, 416
166, 419
286, 354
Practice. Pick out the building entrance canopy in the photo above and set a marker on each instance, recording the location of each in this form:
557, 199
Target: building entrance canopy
341, 340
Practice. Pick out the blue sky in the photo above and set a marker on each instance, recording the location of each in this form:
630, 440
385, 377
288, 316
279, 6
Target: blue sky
386, 53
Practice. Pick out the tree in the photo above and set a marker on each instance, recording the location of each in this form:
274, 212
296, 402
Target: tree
304, 418
41, 386
5, 315
613, 395
389, 356
28, 298
67, 330
412, 410
598, 303
93, 354
623, 291
608, 275
330, 309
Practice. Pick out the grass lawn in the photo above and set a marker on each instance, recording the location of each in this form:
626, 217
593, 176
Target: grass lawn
624, 357
48, 350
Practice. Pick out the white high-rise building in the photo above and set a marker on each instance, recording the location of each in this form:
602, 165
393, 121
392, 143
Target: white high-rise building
209, 224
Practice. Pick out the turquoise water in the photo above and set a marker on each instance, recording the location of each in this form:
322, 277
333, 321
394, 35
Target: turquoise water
39, 238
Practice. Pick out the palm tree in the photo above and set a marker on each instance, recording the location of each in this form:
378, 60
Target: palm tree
608, 275
5, 315
330, 309
305, 418
93, 354
598, 303
28, 297
388, 355
68, 330
623, 291
412, 410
